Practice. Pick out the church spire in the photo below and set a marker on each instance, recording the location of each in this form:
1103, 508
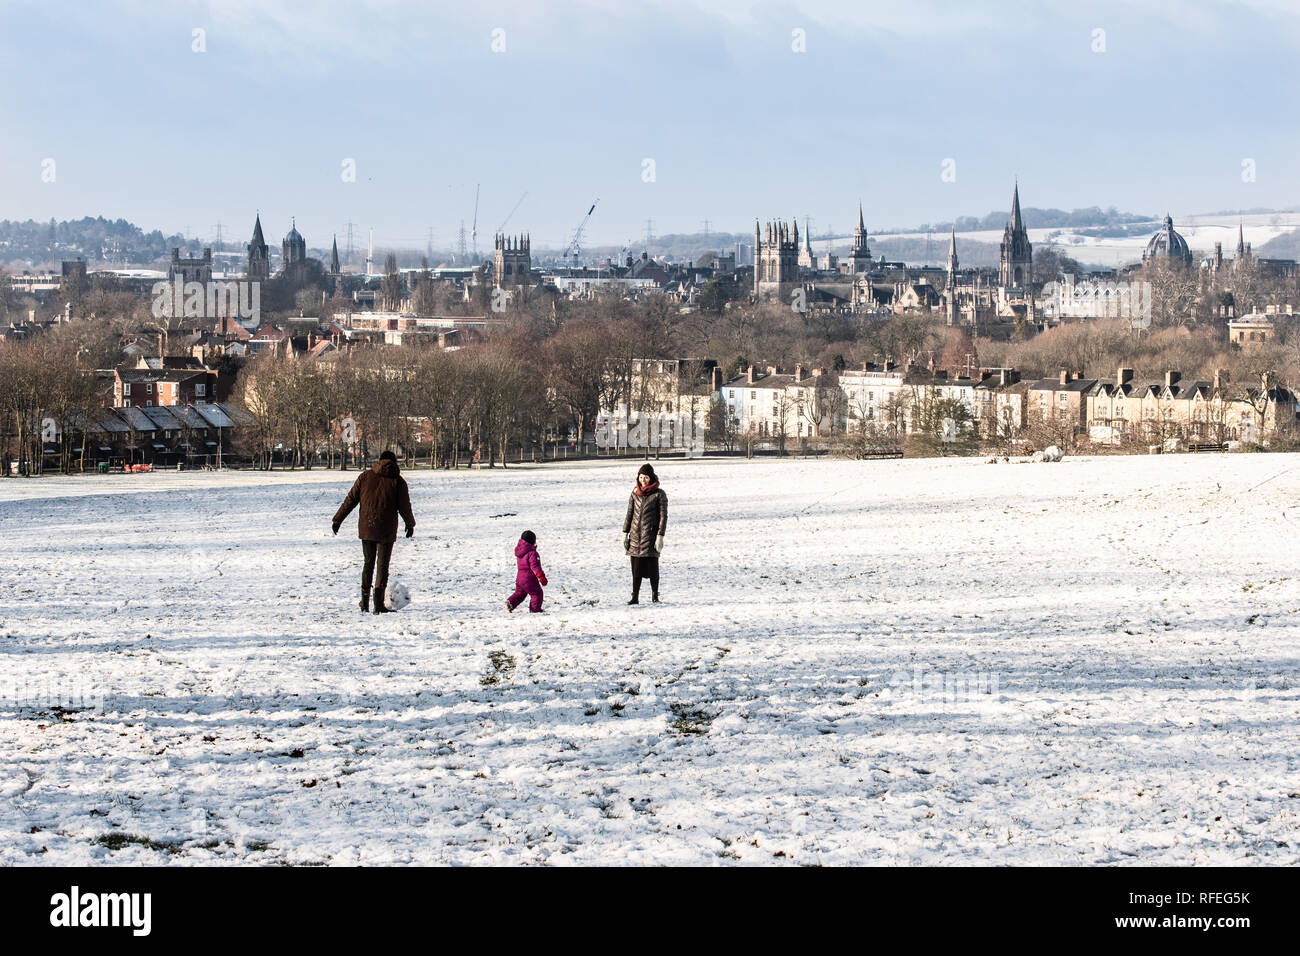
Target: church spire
1241, 240
257, 232
1015, 207
334, 256
862, 226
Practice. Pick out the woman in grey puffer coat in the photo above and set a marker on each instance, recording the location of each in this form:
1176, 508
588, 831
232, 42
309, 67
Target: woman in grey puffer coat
643, 531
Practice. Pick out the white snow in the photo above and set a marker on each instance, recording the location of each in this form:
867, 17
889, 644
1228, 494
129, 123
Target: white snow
887, 662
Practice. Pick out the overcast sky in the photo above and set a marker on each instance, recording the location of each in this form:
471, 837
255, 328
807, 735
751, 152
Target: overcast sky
1156, 113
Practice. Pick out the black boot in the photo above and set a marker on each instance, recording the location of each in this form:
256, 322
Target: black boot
365, 600
654, 597
380, 606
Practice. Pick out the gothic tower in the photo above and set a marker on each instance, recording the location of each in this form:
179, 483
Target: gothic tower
860, 257
1016, 263
776, 260
512, 260
951, 293
807, 259
294, 248
259, 258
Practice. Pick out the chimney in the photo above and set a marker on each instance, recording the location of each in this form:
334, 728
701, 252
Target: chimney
1004, 376
1123, 376
1078, 374
751, 375
771, 370
1065, 377
1171, 378
715, 379
1220, 378
798, 373
864, 366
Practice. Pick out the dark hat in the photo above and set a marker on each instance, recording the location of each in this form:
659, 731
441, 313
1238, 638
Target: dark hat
388, 456
529, 537
647, 470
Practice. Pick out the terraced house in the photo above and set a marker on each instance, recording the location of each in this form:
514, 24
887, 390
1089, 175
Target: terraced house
1195, 411
772, 404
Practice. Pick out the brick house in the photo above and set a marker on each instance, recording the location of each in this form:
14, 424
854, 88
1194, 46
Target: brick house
147, 387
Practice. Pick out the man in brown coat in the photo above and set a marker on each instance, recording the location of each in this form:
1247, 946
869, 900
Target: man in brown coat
381, 491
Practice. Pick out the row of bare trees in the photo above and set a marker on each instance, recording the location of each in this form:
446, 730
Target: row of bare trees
487, 402
47, 393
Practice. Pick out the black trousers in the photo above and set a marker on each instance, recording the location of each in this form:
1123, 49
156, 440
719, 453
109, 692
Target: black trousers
377, 555
645, 568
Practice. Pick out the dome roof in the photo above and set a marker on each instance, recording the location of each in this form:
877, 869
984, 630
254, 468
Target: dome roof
1167, 244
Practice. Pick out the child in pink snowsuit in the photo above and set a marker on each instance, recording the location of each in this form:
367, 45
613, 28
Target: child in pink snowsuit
530, 577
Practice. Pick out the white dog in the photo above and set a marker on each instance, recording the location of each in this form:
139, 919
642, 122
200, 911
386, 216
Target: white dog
1051, 453
397, 596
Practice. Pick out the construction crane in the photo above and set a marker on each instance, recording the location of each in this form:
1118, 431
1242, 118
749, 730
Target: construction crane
502, 227
575, 244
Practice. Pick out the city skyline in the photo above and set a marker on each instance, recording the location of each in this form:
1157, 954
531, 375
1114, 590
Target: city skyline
677, 116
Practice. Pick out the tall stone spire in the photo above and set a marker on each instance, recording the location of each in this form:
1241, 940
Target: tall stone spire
259, 259
952, 253
1241, 240
334, 256
1016, 256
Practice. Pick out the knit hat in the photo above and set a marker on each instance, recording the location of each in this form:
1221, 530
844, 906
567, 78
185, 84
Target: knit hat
388, 456
647, 470
529, 537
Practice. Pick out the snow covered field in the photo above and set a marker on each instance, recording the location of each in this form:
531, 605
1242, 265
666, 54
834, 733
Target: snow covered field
894, 662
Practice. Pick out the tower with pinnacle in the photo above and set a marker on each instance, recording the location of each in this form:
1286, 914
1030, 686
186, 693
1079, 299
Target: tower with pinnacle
259, 255
951, 292
1016, 260
512, 260
776, 260
294, 247
860, 256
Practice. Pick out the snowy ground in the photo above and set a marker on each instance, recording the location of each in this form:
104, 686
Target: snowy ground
885, 662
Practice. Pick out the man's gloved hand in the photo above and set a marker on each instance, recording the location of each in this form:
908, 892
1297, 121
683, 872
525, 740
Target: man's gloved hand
627, 541
659, 544
542, 580
335, 525
410, 530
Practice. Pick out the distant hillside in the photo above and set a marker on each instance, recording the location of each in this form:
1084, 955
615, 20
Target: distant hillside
1285, 246
34, 244
1090, 217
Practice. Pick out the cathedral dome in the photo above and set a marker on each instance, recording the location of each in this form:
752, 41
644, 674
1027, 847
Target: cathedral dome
1167, 244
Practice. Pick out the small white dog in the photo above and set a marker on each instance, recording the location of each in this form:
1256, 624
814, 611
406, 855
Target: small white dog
1052, 453
397, 596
